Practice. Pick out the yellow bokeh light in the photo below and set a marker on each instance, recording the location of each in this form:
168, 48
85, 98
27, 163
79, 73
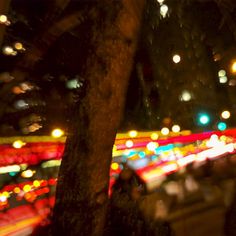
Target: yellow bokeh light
16, 190
18, 46
176, 58
175, 128
27, 188
3, 18
223, 138
57, 133
5, 194
165, 131
133, 133
225, 114
129, 143
8, 50
233, 67
114, 166
27, 173
18, 144
36, 183
154, 136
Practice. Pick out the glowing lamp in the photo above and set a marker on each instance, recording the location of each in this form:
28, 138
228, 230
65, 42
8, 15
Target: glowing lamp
154, 136
18, 46
222, 126
165, 131
151, 146
2, 198
3, 19
223, 79
233, 67
176, 58
27, 174
57, 133
114, 166
18, 144
185, 96
225, 114
8, 50
221, 73
204, 119
27, 188
36, 183
129, 143
163, 10
133, 133
175, 128
16, 190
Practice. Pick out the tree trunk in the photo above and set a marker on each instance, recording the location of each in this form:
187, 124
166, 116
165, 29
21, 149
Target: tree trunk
82, 192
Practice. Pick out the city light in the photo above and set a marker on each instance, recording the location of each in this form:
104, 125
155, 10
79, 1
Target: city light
3, 19
27, 173
233, 67
57, 133
165, 131
221, 73
114, 166
151, 146
18, 46
203, 119
163, 10
175, 128
223, 79
154, 136
221, 126
18, 144
8, 50
176, 58
185, 96
225, 114
129, 143
133, 133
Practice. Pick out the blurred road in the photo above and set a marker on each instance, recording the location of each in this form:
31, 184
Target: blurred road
201, 219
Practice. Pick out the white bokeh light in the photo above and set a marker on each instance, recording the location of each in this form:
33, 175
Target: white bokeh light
163, 10
176, 58
185, 96
165, 131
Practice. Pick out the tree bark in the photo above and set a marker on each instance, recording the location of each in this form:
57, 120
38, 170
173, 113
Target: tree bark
82, 192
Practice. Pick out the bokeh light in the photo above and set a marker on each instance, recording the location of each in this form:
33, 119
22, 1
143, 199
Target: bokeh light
3, 19
165, 131
176, 58
133, 133
57, 133
225, 114
114, 166
129, 143
185, 96
175, 128
221, 126
27, 174
18, 144
154, 136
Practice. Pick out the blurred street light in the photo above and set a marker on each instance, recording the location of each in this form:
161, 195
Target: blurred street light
176, 58
57, 133
225, 114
